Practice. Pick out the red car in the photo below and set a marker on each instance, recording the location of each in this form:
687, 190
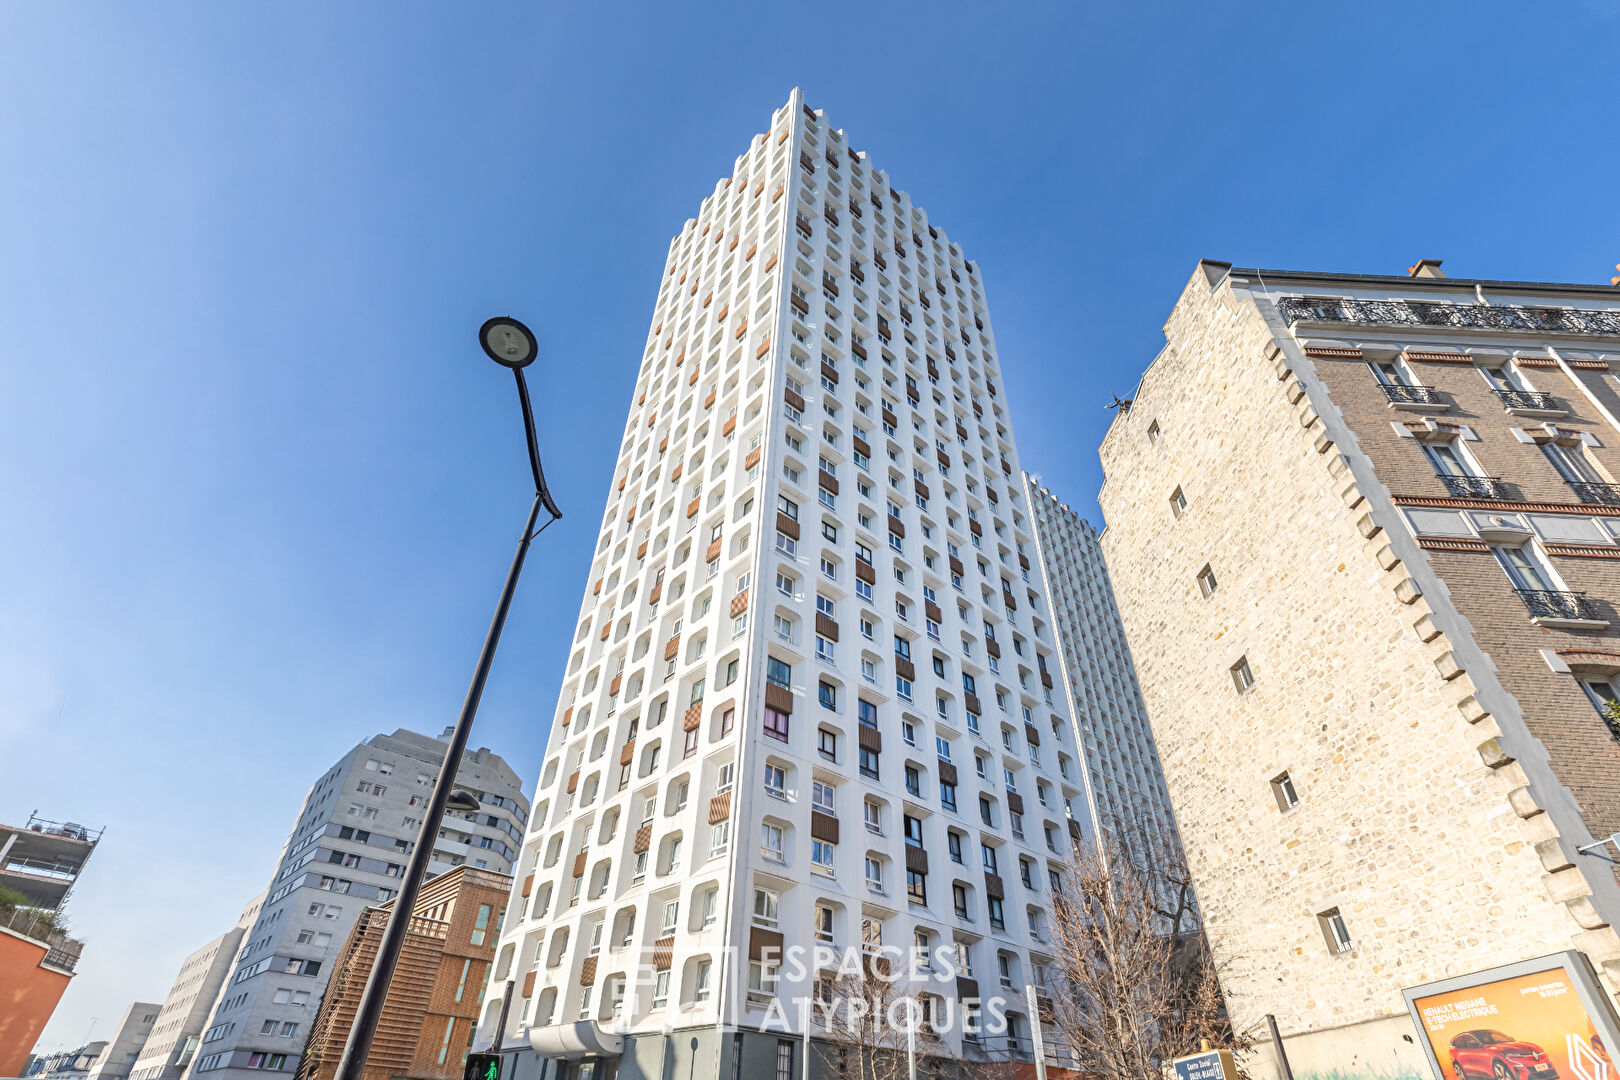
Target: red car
1496, 1054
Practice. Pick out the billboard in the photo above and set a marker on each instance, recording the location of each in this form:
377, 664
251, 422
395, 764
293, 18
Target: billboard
1543, 1019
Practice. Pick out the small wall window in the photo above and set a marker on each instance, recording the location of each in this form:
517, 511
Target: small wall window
1334, 931
1178, 502
1153, 432
1282, 787
1206, 581
1242, 676
1601, 692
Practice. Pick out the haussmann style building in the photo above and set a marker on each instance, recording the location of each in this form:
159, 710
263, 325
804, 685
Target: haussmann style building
1365, 535
814, 694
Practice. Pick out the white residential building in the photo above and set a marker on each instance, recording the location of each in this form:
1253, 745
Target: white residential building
184, 1014
134, 1028
1128, 792
348, 849
804, 701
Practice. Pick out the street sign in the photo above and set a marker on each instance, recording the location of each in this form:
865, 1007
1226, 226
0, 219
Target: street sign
1210, 1065
482, 1067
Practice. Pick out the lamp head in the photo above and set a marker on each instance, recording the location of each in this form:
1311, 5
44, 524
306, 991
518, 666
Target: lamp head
464, 801
508, 342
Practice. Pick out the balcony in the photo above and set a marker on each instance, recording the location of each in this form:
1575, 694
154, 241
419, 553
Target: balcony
1590, 491
1571, 610
1418, 397
1475, 487
1530, 403
1452, 316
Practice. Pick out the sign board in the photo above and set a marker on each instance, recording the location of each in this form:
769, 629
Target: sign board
1209, 1065
482, 1067
1544, 1019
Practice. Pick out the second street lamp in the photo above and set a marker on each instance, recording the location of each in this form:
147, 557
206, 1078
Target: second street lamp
510, 344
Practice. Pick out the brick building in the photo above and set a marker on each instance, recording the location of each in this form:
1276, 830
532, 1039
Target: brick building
1365, 535
439, 984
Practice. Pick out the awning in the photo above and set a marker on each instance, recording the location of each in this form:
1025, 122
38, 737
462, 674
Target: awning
577, 1040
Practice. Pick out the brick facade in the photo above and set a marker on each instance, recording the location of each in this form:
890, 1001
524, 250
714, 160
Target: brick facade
439, 984
1445, 773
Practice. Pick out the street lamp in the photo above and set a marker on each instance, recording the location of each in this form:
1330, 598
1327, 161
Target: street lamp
510, 344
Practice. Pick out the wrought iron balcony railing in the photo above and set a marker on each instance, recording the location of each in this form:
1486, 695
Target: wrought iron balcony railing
1590, 491
1457, 316
1400, 394
1551, 604
1475, 487
1528, 399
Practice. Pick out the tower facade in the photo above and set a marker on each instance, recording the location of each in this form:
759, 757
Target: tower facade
183, 1016
1126, 781
347, 850
811, 696
1363, 533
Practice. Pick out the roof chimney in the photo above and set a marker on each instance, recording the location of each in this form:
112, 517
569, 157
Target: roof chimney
1426, 268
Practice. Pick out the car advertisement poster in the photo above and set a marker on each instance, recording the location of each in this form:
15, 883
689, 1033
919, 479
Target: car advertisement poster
1538, 1020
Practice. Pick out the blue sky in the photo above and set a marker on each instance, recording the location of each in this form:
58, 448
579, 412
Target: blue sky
260, 487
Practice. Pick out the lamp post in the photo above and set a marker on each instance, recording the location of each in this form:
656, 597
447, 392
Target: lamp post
510, 344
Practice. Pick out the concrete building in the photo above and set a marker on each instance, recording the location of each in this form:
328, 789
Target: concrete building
812, 694
1364, 533
124, 1048
183, 1016
347, 850
437, 993
39, 863
1126, 782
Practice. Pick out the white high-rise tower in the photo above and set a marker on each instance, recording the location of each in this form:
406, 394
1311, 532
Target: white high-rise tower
811, 697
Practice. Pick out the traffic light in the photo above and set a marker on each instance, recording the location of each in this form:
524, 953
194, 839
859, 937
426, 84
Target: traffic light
482, 1067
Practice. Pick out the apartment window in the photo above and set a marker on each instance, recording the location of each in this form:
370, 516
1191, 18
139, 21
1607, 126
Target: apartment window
869, 763
916, 887
1602, 694
821, 856
784, 1058
1206, 581
827, 744
913, 782
1178, 502
776, 724
767, 909
823, 923
1282, 787
1450, 460
1573, 466
959, 901
1242, 676
874, 874
779, 672
660, 997
775, 781
786, 584
867, 712
821, 797
872, 814
827, 695
771, 843
824, 650
1525, 567
1334, 930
